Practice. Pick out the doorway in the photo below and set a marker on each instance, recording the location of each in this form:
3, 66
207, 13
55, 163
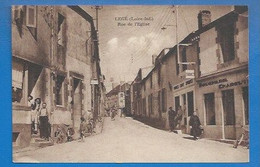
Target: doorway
77, 103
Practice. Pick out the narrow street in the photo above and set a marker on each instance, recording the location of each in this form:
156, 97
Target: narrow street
127, 140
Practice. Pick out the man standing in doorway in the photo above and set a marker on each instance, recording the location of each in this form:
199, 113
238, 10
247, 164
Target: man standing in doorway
171, 115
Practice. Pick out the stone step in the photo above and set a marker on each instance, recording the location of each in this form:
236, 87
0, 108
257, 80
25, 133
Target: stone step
42, 144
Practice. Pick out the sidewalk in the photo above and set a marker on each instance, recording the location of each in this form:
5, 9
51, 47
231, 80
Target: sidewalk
38, 144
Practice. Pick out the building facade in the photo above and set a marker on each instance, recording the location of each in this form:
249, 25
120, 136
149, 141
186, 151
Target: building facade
54, 57
209, 75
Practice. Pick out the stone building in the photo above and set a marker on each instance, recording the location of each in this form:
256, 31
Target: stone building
54, 57
213, 81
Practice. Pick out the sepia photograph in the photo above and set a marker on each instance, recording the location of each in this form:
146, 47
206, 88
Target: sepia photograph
130, 84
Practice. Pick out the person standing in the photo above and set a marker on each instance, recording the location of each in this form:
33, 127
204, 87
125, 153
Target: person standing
195, 125
179, 117
171, 116
44, 122
33, 113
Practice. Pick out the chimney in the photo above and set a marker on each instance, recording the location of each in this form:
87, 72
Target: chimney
204, 18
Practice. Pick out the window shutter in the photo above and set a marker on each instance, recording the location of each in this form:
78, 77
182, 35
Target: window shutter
31, 16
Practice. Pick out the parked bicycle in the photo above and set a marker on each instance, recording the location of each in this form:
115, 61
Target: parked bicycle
243, 137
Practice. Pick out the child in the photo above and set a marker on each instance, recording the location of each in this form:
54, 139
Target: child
82, 128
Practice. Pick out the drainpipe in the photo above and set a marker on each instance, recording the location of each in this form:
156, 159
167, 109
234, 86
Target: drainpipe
51, 77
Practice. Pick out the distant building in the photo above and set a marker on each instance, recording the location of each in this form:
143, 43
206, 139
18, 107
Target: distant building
113, 98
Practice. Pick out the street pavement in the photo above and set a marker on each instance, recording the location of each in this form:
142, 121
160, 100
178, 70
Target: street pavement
127, 140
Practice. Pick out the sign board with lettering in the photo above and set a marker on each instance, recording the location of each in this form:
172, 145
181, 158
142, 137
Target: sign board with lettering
94, 82
190, 74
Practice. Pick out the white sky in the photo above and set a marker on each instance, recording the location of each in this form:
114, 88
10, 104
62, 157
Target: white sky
125, 49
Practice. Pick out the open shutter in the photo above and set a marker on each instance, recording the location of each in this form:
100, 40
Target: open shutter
31, 16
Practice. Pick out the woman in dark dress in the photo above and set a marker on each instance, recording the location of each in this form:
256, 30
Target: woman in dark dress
195, 126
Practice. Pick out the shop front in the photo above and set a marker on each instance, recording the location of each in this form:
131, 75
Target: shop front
222, 102
184, 102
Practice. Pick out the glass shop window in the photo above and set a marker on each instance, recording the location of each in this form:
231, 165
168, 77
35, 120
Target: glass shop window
210, 108
60, 90
228, 106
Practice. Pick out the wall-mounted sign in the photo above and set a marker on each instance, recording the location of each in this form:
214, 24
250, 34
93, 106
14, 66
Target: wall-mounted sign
190, 74
187, 74
231, 84
213, 82
94, 82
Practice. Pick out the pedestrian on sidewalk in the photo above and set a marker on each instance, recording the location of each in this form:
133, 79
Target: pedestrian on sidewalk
44, 122
195, 125
171, 116
82, 128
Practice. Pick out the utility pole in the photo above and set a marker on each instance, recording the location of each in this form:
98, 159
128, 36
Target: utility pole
97, 8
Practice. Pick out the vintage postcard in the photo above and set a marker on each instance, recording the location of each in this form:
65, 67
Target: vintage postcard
120, 84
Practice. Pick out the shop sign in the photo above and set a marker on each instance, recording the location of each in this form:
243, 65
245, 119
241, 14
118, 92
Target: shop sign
94, 82
231, 84
213, 82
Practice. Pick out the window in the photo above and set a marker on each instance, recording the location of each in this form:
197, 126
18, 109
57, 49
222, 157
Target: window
209, 100
60, 90
245, 99
150, 102
164, 100
61, 26
144, 106
226, 42
228, 106
177, 65
159, 75
151, 82
17, 12
184, 59
31, 16
19, 87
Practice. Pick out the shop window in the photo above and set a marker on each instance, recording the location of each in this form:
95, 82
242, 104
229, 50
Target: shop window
226, 41
228, 106
60, 90
184, 59
164, 100
177, 102
190, 103
245, 99
19, 87
209, 100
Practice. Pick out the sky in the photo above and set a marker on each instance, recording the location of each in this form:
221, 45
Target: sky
125, 46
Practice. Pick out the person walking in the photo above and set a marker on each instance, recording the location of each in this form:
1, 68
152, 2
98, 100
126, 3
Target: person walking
171, 116
195, 125
44, 122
